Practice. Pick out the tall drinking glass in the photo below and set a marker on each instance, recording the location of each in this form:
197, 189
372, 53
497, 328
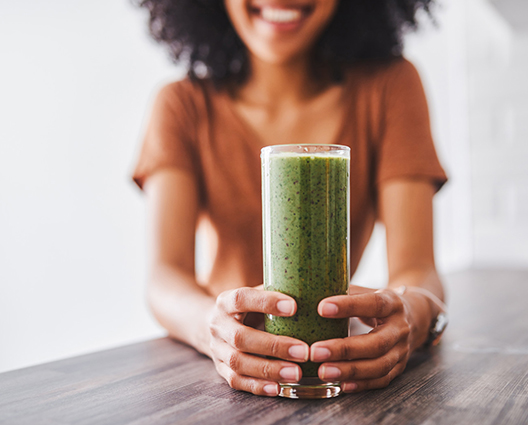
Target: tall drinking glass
305, 199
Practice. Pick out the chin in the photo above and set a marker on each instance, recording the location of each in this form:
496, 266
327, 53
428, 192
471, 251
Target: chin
274, 56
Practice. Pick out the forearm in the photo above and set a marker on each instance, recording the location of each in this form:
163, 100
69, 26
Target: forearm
422, 310
181, 306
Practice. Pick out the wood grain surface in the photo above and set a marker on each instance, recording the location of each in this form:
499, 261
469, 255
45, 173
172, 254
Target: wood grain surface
478, 375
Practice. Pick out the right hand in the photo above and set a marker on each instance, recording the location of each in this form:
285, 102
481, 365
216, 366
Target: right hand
236, 348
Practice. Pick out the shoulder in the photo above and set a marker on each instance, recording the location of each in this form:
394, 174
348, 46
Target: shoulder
381, 74
192, 95
190, 103
179, 95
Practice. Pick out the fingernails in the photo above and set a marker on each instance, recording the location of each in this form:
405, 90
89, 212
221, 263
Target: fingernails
299, 352
271, 389
329, 309
286, 307
349, 386
320, 354
330, 372
290, 373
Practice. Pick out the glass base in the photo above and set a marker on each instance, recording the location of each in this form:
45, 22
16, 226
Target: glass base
310, 388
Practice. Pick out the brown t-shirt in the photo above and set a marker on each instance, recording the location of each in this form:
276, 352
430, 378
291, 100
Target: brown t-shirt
195, 128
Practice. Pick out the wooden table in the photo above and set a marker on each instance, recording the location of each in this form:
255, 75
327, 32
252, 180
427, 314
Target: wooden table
478, 375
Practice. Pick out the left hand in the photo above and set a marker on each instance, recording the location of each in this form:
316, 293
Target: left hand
372, 360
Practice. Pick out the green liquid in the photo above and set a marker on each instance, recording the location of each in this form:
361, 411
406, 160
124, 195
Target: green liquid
305, 255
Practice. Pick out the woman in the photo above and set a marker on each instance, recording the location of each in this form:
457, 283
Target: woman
265, 72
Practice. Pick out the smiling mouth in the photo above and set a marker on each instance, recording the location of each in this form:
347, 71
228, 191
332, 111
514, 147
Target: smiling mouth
281, 15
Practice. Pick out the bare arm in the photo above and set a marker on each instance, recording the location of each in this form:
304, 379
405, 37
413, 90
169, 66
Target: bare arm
406, 209
174, 296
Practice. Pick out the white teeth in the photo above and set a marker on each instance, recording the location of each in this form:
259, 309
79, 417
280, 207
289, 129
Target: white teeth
271, 14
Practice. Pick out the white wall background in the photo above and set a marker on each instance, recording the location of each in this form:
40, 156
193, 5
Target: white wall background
499, 136
76, 80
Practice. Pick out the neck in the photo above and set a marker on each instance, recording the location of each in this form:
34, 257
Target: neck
279, 84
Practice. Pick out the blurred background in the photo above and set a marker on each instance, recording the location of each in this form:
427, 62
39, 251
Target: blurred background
76, 83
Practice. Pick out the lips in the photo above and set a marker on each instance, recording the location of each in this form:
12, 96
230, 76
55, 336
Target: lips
282, 15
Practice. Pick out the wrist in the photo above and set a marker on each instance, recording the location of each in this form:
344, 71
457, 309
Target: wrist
202, 338
421, 313
438, 315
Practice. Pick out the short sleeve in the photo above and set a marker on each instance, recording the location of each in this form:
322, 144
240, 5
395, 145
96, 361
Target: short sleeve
406, 148
168, 141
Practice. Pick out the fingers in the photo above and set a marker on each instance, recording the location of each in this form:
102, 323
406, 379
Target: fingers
257, 367
374, 359
245, 300
249, 340
356, 386
375, 344
246, 383
373, 305
361, 369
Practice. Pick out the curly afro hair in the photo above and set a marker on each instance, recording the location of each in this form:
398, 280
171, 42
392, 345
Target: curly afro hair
199, 34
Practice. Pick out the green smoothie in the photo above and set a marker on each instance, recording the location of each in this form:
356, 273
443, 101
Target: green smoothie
305, 200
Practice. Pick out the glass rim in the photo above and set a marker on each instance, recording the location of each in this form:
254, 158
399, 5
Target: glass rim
307, 149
